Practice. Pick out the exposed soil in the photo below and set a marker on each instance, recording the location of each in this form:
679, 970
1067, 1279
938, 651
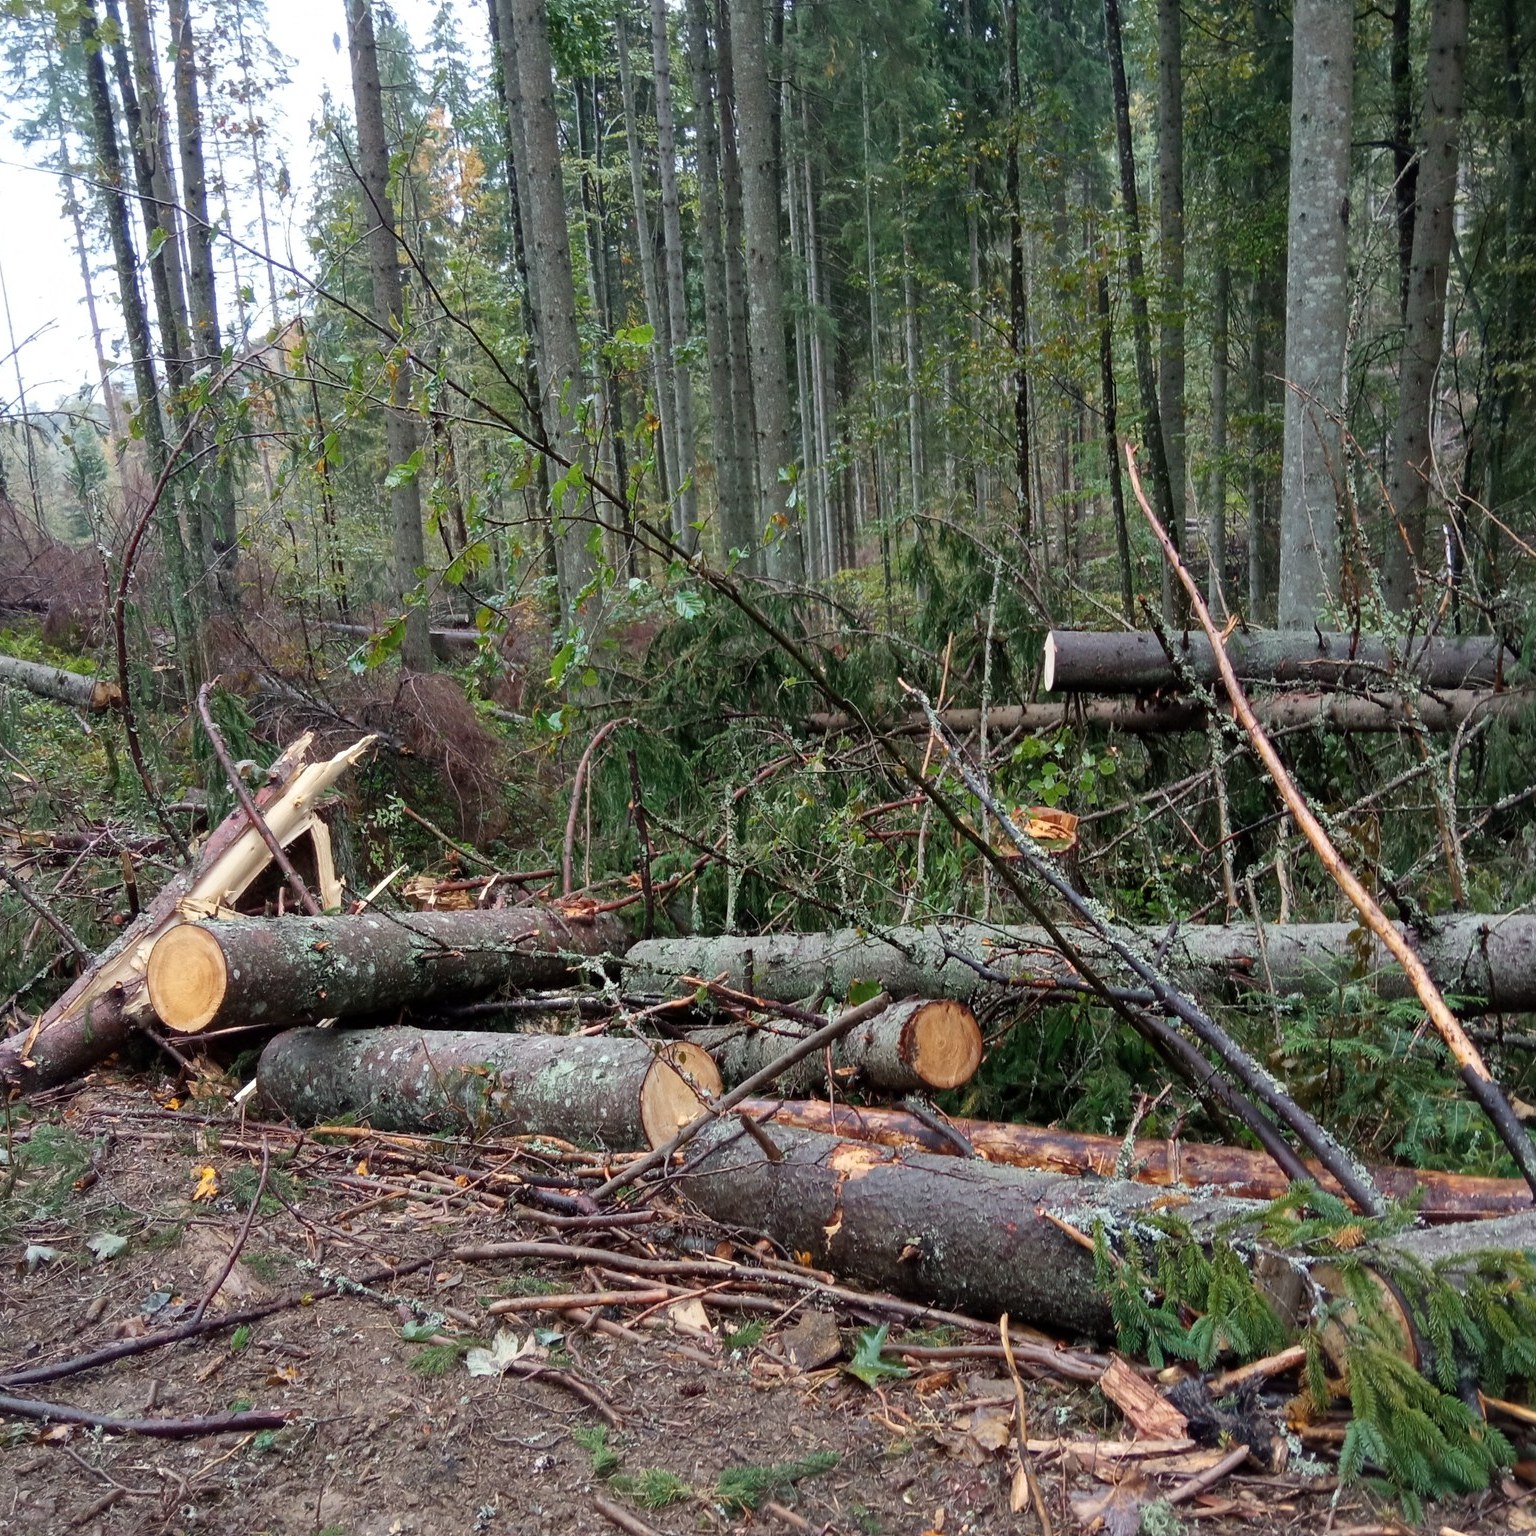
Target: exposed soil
375, 1445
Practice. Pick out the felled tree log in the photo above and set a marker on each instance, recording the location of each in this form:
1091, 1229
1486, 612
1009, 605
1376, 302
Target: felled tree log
303, 969
1381, 711
614, 1091
1489, 962
99, 1013
76, 688
967, 1234
1232, 1170
919, 1043
451, 645
1086, 661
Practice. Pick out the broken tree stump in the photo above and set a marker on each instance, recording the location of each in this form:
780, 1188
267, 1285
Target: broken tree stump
93, 694
1090, 661
300, 970
615, 1092
101, 1010
1487, 962
1234, 1170
921, 1043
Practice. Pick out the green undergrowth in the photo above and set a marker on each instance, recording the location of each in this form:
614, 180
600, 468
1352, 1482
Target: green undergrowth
1414, 1432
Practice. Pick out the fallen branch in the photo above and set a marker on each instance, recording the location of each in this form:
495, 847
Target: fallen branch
161, 1429
1474, 1072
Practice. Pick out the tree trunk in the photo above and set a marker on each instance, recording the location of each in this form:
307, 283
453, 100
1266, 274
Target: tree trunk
1170, 214
300, 970
1316, 312
206, 343
1141, 326
1488, 960
1233, 1170
1424, 318
684, 460
916, 1045
1090, 661
75, 688
779, 523
1018, 303
549, 259
1445, 710
731, 499
389, 313
981, 1239
1109, 409
621, 1094
1216, 583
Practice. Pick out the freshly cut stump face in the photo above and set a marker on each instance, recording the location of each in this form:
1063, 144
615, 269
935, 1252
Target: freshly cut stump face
945, 1043
187, 978
671, 1096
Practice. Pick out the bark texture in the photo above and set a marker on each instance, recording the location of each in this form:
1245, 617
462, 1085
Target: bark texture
621, 1094
1433, 228
389, 313
1089, 661
1441, 711
1316, 310
295, 970
1488, 961
1235, 1170
76, 688
912, 1045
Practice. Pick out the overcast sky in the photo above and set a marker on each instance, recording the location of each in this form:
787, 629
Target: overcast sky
37, 259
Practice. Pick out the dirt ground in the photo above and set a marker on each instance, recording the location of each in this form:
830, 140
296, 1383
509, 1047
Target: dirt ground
122, 1206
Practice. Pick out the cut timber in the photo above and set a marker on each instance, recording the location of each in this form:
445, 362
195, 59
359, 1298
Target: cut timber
1234, 1170
970, 1235
99, 1013
609, 1091
452, 645
76, 688
1366, 713
1488, 961
1086, 661
920, 1043
302, 969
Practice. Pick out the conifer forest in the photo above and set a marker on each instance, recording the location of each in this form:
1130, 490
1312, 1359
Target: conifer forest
767, 764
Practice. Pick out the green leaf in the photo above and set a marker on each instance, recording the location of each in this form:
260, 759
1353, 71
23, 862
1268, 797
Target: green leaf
689, 602
404, 474
867, 1366
861, 992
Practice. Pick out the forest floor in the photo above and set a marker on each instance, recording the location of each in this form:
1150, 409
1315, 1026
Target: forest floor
122, 1206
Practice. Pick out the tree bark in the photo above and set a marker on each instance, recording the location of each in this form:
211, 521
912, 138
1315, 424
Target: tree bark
685, 506
779, 524
1107, 395
1090, 661
75, 688
1216, 585
1424, 314
1373, 713
973, 1237
1018, 300
1443, 1197
622, 1094
1316, 312
1487, 961
916, 1045
1141, 326
549, 259
389, 312
1170, 218
300, 970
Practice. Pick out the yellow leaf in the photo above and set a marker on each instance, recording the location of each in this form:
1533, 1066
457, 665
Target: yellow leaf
207, 1183
362, 1168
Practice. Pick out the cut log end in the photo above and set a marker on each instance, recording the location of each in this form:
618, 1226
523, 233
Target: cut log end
1048, 674
672, 1094
945, 1043
187, 978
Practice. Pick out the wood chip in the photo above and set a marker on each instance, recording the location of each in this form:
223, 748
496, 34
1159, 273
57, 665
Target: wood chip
1149, 1413
813, 1342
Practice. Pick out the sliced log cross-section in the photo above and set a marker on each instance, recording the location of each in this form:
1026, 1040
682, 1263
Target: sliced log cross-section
610, 1091
76, 688
299, 970
1487, 961
919, 1043
1086, 661
1233, 1170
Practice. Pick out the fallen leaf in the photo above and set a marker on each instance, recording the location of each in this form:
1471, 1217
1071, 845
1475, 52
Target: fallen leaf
362, 1168
283, 1376
106, 1245
991, 1428
38, 1254
506, 1349
207, 1183
813, 1342
690, 1317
